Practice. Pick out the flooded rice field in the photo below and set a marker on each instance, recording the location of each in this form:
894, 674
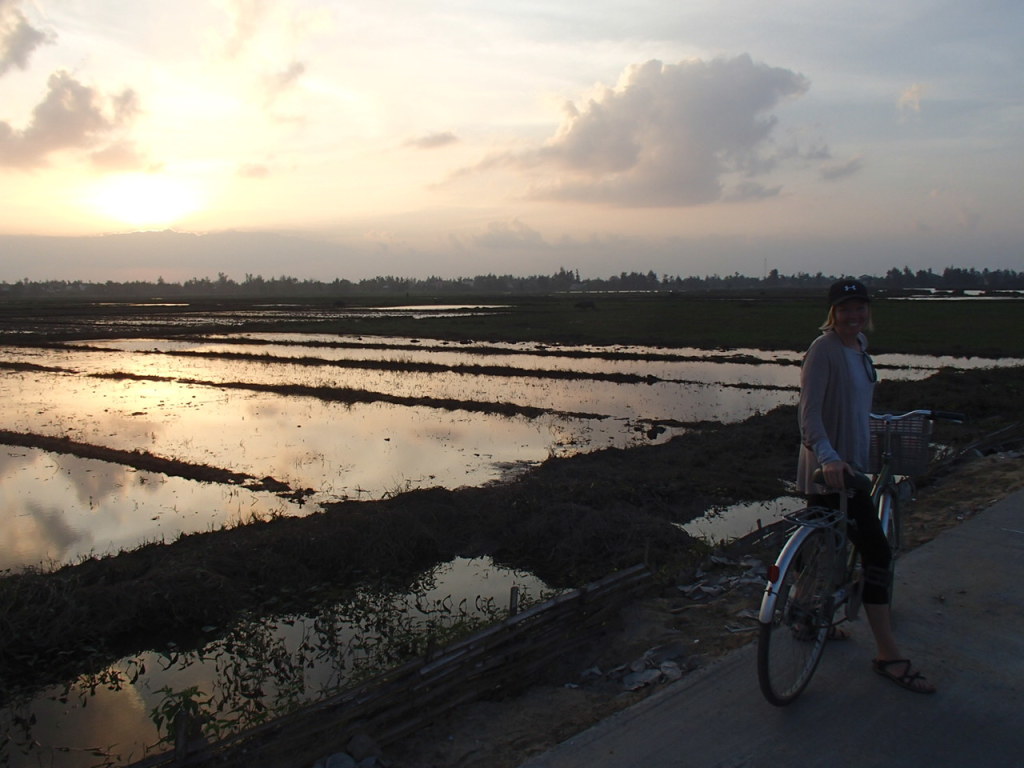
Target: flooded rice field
153, 438
331, 419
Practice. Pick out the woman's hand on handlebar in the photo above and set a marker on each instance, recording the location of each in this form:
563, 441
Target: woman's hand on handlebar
835, 474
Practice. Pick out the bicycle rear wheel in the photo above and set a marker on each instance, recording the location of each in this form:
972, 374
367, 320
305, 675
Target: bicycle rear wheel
790, 645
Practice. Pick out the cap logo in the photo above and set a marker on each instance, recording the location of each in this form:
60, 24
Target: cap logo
847, 288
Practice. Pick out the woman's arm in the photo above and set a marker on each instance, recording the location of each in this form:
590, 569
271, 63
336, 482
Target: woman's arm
815, 375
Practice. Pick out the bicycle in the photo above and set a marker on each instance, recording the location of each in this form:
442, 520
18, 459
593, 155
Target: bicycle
818, 571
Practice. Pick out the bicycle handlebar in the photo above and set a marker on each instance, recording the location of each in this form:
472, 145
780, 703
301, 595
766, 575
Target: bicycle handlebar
855, 481
859, 481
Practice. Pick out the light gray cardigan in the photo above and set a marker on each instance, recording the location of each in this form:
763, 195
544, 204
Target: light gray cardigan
833, 410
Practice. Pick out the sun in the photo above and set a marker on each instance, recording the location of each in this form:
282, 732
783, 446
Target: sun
144, 199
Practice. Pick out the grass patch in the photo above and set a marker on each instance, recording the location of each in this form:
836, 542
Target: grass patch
982, 328
761, 320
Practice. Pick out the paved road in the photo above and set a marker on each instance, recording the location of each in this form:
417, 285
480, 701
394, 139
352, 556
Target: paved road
959, 613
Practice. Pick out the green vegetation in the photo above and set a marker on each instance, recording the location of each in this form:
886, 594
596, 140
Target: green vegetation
729, 320
983, 328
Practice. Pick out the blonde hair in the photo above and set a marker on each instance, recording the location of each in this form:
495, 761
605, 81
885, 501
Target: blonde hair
830, 321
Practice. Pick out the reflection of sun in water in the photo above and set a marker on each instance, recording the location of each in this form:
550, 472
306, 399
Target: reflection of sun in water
144, 199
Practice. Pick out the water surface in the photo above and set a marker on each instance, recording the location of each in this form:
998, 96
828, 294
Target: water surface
197, 402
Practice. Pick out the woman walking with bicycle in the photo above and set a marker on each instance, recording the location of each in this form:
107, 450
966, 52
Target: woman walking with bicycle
837, 383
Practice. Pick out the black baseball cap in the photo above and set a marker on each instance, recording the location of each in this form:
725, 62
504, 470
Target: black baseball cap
843, 290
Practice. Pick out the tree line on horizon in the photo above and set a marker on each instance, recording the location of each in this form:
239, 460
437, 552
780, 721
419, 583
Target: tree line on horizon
565, 280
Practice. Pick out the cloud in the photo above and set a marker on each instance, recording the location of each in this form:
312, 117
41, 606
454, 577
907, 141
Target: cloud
433, 140
71, 116
666, 135
18, 38
281, 82
838, 171
909, 104
253, 171
508, 234
120, 156
751, 190
968, 218
246, 19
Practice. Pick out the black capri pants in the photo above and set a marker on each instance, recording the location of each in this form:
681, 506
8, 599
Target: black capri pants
868, 537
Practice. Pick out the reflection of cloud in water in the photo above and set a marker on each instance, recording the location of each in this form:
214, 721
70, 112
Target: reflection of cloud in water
54, 528
94, 481
14, 459
35, 527
38, 534
68, 733
46, 521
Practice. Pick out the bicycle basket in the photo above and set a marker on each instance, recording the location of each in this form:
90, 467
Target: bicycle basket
909, 444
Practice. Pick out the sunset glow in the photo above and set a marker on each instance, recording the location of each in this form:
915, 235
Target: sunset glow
143, 201
456, 138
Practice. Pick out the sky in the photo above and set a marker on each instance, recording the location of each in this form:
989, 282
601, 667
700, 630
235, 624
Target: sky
323, 139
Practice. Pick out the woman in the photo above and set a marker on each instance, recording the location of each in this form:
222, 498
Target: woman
837, 382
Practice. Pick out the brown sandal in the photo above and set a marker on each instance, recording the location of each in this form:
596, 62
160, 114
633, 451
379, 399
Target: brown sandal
837, 633
912, 681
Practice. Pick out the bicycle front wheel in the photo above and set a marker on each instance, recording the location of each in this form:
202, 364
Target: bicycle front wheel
790, 645
889, 515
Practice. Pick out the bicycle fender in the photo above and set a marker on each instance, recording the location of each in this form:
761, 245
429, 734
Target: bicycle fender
782, 562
